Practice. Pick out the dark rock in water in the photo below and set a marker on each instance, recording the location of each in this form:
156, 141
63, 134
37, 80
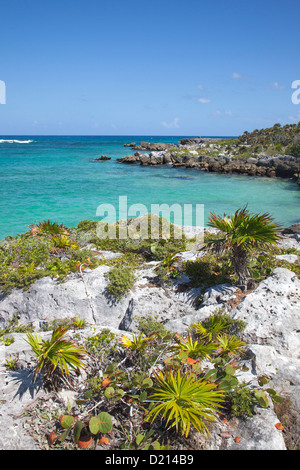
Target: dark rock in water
283, 166
129, 159
132, 144
191, 141
295, 228
158, 146
102, 158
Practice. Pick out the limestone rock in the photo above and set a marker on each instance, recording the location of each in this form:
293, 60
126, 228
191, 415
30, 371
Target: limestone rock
272, 312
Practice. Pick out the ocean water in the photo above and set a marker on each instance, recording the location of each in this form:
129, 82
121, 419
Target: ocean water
55, 177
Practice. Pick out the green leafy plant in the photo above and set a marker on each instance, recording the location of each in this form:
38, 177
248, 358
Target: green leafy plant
185, 401
209, 270
11, 364
211, 328
230, 345
69, 423
137, 343
153, 326
79, 322
8, 340
63, 242
102, 423
47, 227
142, 441
241, 400
121, 280
55, 357
196, 348
242, 233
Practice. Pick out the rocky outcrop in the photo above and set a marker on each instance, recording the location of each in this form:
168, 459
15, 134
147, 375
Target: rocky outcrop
102, 158
191, 141
284, 166
271, 313
152, 146
86, 297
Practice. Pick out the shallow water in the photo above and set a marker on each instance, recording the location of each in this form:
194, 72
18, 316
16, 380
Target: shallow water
56, 178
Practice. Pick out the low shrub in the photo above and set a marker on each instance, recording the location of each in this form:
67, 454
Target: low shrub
120, 281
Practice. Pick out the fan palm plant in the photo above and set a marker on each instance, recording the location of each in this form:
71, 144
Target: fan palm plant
185, 401
230, 345
242, 233
46, 227
209, 329
137, 343
55, 357
196, 348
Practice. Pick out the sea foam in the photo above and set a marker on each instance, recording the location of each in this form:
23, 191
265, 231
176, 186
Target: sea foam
5, 141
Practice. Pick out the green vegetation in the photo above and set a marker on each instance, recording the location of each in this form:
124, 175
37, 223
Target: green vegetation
294, 149
46, 250
242, 234
50, 249
284, 140
185, 401
209, 269
152, 388
276, 139
148, 392
55, 357
13, 327
121, 280
241, 401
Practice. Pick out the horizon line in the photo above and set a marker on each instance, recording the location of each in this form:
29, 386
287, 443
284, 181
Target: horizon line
116, 135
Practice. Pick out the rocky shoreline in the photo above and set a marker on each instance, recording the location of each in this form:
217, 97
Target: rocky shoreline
209, 155
271, 312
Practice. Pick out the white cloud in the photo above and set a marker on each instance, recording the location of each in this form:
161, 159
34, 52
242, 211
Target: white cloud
203, 100
170, 125
236, 75
200, 87
277, 86
219, 113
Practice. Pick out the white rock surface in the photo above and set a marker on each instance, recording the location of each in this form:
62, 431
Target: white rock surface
288, 258
271, 312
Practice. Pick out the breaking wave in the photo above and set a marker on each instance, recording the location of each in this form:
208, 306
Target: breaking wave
7, 141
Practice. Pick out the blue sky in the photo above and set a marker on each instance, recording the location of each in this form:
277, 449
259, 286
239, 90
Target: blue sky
168, 67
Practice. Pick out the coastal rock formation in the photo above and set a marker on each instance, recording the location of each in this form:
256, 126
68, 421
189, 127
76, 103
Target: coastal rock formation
285, 166
18, 393
48, 299
208, 155
271, 312
191, 141
152, 146
102, 158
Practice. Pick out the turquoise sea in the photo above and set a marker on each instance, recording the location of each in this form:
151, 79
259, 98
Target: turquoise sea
55, 177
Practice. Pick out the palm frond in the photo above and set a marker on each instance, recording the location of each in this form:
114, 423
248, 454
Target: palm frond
185, 401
